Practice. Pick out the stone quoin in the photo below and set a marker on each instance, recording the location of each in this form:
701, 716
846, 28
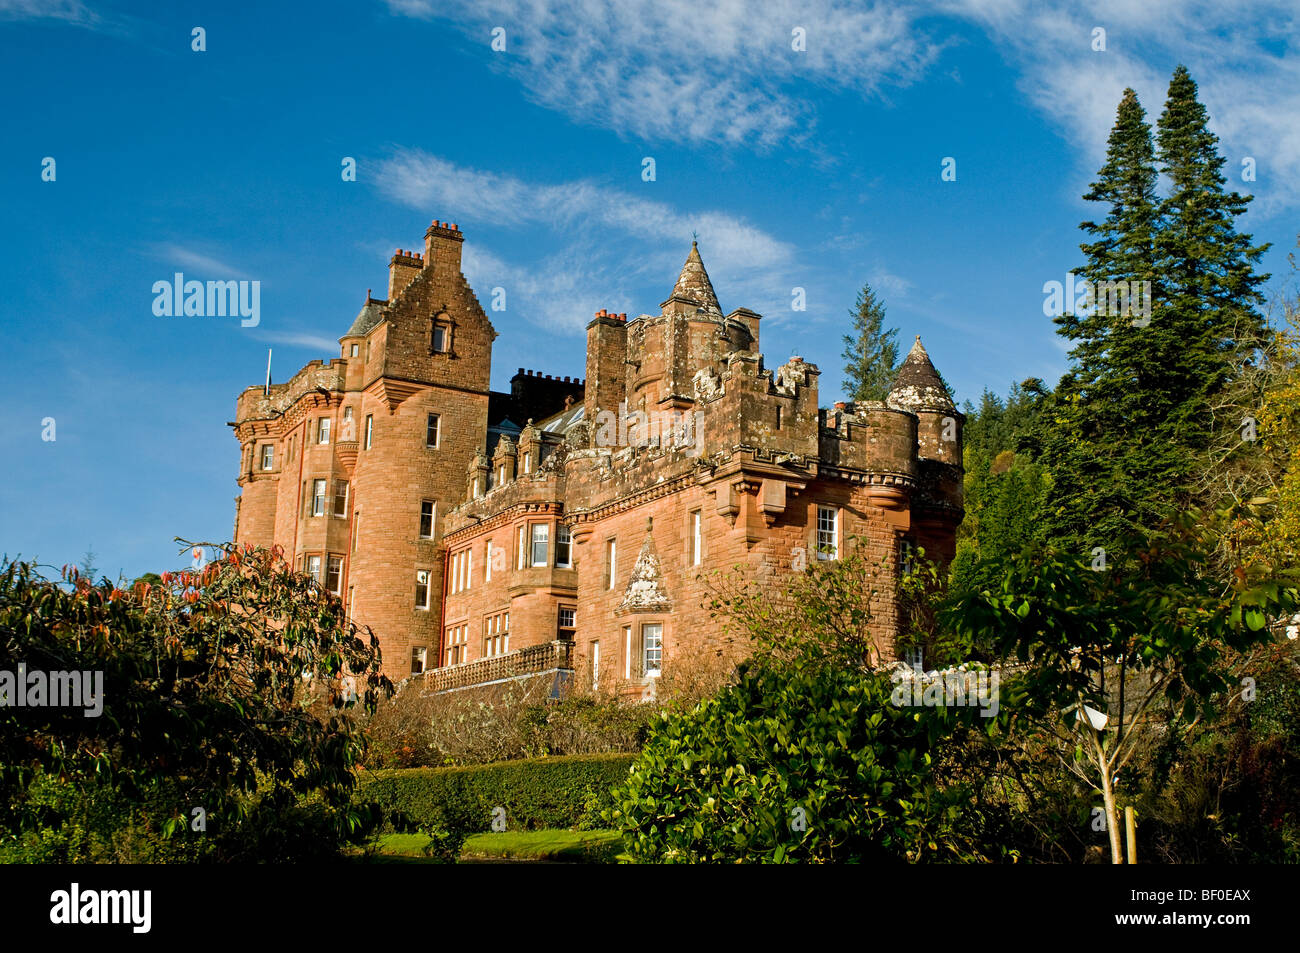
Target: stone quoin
488, 535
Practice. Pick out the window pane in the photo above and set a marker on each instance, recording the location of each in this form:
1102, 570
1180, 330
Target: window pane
426, 519
341, 498
370, 428
652, 642
541, 534
323, 431
334, 574
318, 498
431, 433
563, 546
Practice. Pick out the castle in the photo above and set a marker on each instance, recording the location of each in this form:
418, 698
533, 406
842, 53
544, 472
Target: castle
564, 528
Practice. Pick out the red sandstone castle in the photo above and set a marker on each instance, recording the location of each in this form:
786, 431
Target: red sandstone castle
565, 527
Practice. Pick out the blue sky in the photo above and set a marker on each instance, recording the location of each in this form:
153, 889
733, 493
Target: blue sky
816, 169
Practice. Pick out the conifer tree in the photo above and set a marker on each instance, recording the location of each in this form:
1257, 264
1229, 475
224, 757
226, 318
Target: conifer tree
871, 352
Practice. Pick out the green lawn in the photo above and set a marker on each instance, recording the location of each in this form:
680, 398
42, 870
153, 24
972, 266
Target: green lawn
591, 847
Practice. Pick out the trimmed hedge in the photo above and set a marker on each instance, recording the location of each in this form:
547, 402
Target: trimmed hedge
557, 792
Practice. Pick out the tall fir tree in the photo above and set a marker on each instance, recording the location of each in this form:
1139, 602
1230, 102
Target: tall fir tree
1095, 437
1212, 292
1130, 425
871, 351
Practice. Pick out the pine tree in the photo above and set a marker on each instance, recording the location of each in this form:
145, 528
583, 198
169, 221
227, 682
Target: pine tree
1211, 288
1096, 435
871, 352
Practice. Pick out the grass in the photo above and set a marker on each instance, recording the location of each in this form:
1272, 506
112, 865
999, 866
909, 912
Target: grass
590, 847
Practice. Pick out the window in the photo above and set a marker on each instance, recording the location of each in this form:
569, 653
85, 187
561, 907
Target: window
348, 431
292, 441
431, 431
356, 529
323, 430
652, 648
696, 541
469, 560
595, 664
268, 456
528, 463
563, 546
426, 519
907, 554
457, 637
355, 349
318, 497
915, 658
521, 548
313, 567
541, 539
487, 562
568, 623
334, 575
422, 589
418, 652
611, 560
341, 498
440, 338
460, 570
496, 634
627, 651
828, 537
370, 429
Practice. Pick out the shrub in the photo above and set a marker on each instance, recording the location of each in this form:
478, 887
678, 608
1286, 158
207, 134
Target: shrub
536, 793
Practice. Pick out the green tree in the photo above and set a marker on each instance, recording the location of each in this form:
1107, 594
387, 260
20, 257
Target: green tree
1118, 657
871, 351
226, 689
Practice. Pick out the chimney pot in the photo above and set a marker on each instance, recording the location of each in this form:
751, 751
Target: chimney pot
453, 227
436, 222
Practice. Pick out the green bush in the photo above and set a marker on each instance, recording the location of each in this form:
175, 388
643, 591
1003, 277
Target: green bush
811, 764
536, 793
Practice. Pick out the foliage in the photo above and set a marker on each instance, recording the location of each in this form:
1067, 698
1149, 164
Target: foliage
870, 352
535, 793
1144, 641
225, 690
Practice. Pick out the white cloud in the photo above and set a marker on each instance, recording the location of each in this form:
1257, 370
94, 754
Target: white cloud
595, 231
311, 342
179, 256
680, 69
68, 11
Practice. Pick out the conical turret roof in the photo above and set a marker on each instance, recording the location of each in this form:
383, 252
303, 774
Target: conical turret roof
693, 283
918, 385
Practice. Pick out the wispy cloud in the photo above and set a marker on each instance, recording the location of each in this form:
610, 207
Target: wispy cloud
594, 230
725, 71
311, 342
71, 12
179, 256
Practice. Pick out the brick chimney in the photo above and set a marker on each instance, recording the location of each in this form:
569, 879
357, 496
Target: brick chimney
442, 247
606, 364
402, 270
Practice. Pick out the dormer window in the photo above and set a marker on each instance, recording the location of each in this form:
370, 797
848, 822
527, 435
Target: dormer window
440, 340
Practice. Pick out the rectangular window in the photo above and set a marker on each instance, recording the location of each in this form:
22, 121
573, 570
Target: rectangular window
696, 540
334, 575
440, 339
563, 546
457, 636
323, 430
595, 665
341, 498
426, 519
528, 463
469, 560
627, 651
318, 497
541, 539
353, 352
496, 634
652, 648
431, 431
521, 548
487, 562
268, 456
422, 589
370, 429
313, 567
828, 537
915, 658
611, 562
418, 653
356, 529
567, 629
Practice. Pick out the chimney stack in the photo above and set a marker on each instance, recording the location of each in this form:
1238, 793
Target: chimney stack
442, 244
